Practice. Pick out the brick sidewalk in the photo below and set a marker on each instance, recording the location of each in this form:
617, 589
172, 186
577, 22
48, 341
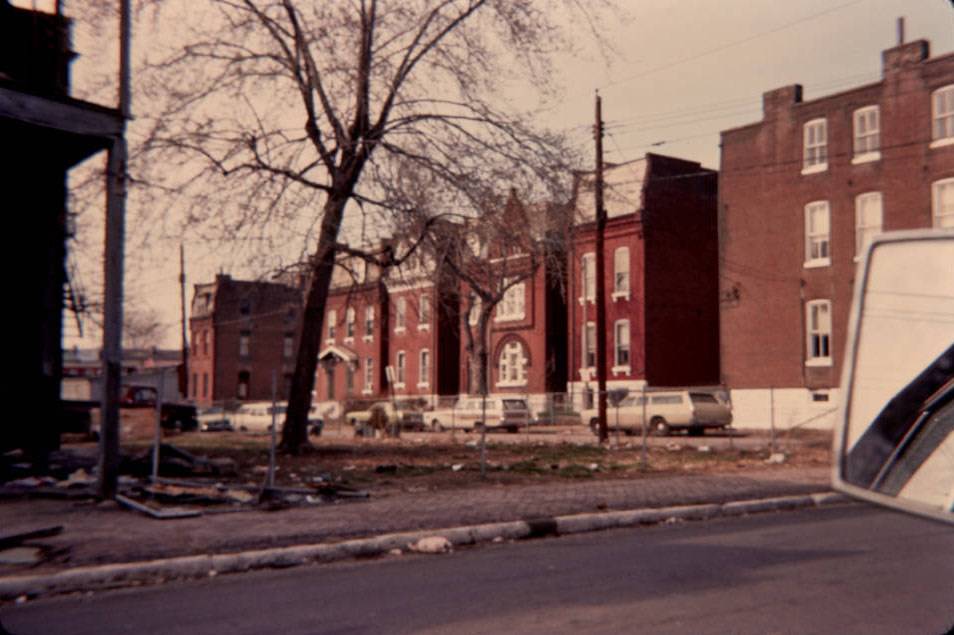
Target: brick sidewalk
98, 534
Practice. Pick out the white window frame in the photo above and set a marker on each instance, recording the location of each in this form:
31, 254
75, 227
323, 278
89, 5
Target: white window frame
817, 237
815, 329
512, 365
865, 226
424, 313
815, 152
368, 376
332, 319
512, 305
867, 134
368, 324
400, 369
589, 327
400, 315
942, 217
245, 344
942, 116
588, 277
619, 366
350, 319
621, 277
424, 369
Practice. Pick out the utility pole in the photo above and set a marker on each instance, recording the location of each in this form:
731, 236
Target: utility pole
600, 275
113, 276
184, 379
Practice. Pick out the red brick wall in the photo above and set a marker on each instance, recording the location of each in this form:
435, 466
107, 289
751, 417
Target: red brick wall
764, 283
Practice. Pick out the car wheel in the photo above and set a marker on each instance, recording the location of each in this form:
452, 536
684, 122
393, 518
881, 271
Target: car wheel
513, 429
436, 426
660, 427
595, 426
478, 426
696, 432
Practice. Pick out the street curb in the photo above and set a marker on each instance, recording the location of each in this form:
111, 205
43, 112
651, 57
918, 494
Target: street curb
210, 565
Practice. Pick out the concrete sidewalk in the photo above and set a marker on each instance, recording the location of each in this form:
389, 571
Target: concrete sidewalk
102, 533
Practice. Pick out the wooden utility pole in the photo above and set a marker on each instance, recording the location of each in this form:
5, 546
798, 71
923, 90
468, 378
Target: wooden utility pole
184, 379
113, 277
600, 275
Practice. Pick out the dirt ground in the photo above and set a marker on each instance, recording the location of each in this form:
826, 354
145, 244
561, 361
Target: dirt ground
428, 462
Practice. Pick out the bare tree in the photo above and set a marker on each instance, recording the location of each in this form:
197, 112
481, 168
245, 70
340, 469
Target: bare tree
297, 108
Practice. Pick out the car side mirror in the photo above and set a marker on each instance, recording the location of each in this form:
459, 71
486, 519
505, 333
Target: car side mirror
894, 441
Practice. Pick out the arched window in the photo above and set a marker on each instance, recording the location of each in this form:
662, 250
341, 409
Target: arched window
512, 365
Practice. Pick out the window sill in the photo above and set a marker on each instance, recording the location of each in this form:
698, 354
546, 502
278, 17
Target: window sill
941, 143
424, 385
583, 301
399, 386
587, 373
818, 362
399, 329
423, 327
329, 341
620, 294
818, 262
621, 370
349, 340
815, 169
866, 157
511, 384
367, 338
367, 391
509, 318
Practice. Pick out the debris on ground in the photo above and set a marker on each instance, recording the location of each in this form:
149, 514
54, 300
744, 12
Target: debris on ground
16, 539
776, 458
431, 544
388, 468
174, 461
673, 446
395, 552
704, 449
79, 478
593, 467
457, 467
161, 513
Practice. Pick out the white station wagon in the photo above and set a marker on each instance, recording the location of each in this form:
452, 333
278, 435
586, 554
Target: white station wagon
690, 410
469, 413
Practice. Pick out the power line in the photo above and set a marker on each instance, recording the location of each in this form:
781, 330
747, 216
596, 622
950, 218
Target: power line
729, 45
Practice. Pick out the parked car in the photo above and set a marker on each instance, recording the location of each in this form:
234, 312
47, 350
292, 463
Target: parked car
256, 417
469, 413
214, 419
665, 411
384, 413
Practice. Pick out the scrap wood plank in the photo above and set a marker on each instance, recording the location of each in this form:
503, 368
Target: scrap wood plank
13, 540
162, 513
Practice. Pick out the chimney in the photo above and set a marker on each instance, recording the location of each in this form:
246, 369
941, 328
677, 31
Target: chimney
780, 99
900, 30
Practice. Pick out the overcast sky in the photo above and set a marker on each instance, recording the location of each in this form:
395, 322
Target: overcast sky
683, 71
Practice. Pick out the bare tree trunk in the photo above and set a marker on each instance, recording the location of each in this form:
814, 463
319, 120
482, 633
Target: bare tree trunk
295, 428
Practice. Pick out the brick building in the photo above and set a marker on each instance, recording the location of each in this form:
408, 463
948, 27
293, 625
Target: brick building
661, 282
800, 194
242, 332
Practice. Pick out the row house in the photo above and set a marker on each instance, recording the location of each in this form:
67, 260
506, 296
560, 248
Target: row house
661, 278
388, 334
244, 337
801, 193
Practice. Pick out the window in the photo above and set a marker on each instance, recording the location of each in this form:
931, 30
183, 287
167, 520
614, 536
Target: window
195, 384
330, 375
589, 345
244, 338
400, 315
816, 234
818, 333
588, 284
867, 134
621, 334
205, 342
400, 368
424, 313
621, 273
512, 365
942, 116
943, 203
349, 323
424, 369
245, 306
368, 323
867, 220
244, 379
815, 152
332, 321
368, 375
512, 304
474, 315
288, 345
205, 384
349, 379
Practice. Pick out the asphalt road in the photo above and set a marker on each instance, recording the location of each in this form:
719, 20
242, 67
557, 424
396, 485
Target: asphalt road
851, 569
